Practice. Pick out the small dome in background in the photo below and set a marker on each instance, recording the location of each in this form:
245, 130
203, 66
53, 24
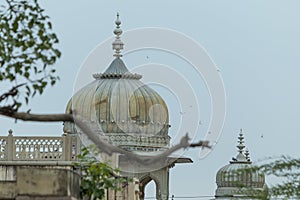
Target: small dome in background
239, 179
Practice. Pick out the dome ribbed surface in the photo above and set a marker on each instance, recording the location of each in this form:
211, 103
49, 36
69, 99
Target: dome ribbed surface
239, 175
122, 105
240, 181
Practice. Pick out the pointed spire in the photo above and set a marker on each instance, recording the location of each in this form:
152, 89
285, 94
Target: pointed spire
241, 145
241, 156
117, 45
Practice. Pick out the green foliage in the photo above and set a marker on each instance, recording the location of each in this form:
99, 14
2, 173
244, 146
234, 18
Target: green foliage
254, 193
288, 170
97, 177
27, 51
244, 179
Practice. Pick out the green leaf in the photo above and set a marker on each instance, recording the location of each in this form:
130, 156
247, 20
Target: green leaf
26, 74
49, 25
15, 26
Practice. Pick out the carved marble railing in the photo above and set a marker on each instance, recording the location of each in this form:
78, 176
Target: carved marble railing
134, 142
64, 148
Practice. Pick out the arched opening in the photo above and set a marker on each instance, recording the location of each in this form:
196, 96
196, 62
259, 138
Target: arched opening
151, 189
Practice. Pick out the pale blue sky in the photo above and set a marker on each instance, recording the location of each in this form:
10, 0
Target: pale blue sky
255, 44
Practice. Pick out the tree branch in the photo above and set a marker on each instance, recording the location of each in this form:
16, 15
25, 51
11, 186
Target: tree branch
12, 92
25, 116
153, 160
95, 138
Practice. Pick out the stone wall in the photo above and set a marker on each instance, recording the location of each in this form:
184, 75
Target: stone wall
37, 181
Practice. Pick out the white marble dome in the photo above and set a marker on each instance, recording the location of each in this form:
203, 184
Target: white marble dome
129, 113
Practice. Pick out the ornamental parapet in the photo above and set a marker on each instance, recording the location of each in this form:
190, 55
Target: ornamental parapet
134, 140
64, 148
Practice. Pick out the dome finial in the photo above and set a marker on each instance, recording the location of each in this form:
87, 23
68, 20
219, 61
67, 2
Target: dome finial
240, 157
247, 155
241, 145
117, 45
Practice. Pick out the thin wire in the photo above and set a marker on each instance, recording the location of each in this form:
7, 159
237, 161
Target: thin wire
201, 197
184, 197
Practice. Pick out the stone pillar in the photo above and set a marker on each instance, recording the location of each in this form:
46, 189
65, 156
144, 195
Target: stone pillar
133, 190
67, 151
161, 179
162, 176
10, 146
